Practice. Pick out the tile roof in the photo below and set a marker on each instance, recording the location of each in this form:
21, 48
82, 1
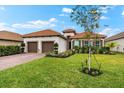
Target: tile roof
43, 33
69, 31
115, 37
7, 35
84, 35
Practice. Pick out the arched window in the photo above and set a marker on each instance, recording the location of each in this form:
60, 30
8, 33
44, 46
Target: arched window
117, 48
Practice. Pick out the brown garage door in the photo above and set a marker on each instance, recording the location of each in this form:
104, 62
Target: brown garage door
47, 46
32, 47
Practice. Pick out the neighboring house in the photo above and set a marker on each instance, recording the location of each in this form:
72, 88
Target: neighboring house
119, 39
43, 41
9, 38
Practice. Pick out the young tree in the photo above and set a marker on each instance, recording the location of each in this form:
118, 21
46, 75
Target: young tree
88, 18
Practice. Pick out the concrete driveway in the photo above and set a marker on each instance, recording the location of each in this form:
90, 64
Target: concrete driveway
13, 60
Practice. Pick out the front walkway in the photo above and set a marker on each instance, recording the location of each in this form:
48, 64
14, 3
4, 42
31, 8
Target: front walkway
13, 60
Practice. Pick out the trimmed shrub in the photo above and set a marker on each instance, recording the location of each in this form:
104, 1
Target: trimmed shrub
104, 50
22, 47
62, 54
9, 50
95, 50
85, 49
56, 48
76, 48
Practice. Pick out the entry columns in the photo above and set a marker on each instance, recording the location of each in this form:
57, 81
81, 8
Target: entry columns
39, 46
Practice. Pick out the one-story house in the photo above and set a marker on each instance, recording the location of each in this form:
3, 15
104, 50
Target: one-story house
83, 39
119, 39
10, 38
43, 41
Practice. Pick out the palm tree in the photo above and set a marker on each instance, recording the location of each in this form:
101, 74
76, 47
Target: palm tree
111, 45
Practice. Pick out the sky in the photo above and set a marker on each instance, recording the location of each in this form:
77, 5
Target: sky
26, 19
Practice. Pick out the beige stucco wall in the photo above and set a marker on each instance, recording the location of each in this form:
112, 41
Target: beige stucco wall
120, 47
7, 43
68, 34
61, 42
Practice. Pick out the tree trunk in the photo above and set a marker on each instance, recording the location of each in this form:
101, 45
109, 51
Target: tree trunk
89, 59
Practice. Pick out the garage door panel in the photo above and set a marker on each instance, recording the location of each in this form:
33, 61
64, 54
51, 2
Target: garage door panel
47, 46
32, 47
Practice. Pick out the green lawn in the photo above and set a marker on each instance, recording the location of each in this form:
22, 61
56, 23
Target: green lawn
64, 72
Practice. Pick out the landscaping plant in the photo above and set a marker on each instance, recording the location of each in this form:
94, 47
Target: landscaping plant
88, 18
76, 48
9, 50
56, 48
61, 55
22, 47
111, 45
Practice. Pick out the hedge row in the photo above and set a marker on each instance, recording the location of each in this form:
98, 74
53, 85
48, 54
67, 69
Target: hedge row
9, 50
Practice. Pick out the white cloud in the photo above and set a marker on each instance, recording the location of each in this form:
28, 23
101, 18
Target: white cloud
103, 17
52, 25
71, 27
110, 31
4, 26
66, 10
104, 9
2, 8
106, 31
122, 13
36, 24
53, 20
63, 15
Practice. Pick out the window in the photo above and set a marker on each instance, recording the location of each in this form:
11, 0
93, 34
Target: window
117, 48
76, 43
86, 43
97, 43
68, 37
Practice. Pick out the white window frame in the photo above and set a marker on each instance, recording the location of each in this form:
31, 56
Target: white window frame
97, 44
76, 43
85, 43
